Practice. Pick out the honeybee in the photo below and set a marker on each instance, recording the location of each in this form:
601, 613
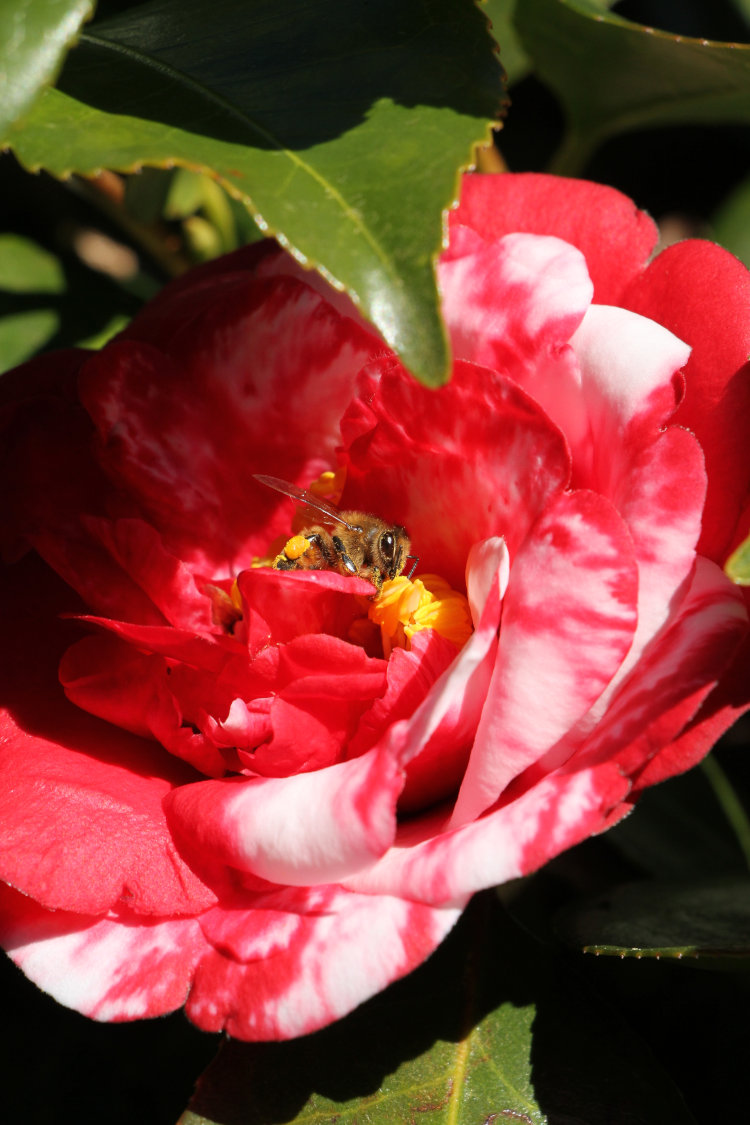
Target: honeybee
357, 543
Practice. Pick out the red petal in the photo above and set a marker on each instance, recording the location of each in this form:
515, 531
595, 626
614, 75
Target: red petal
702, 294
78, 795
256, 382
281, 605
475, 459
111, 969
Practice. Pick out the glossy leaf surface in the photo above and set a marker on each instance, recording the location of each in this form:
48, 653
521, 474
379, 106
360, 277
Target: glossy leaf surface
612, 75
515, 61
342, 132
34, 36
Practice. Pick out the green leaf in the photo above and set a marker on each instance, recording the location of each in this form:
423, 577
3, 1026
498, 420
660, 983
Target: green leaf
34, 37
612, 75
342, 129
26, 267
490, 1029
52, 302
730, 225
23, 334
516, 62
29, 276
709, 921
738, 564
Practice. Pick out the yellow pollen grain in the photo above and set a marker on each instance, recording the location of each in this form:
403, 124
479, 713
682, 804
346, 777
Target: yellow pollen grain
404, 607
296, 547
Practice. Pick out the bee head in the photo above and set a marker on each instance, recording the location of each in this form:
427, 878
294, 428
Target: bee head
391, 547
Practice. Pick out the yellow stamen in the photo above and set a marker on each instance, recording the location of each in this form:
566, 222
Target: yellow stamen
330, 484
403, 608
226, 606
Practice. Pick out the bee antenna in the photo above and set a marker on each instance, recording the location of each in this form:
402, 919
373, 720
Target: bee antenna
414, 565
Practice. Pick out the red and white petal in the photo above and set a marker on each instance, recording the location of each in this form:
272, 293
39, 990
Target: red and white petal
661, 501
408, 445
512, 302
568, 621
110, 969
628, 367
311, 828
614, 236
560, 811
300, 960
673, 676
721, 704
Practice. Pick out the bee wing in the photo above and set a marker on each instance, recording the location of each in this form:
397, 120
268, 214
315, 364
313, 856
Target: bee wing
316, 504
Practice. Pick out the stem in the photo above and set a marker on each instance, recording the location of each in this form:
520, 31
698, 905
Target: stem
730, 803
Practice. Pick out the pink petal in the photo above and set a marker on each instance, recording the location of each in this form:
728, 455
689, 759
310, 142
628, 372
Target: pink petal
111, 969
614, 236
301, 959
311, 828
408, 446
568, 620
714, 318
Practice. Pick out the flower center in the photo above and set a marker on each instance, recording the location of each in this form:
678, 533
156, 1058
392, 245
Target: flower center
400, 608
405, 607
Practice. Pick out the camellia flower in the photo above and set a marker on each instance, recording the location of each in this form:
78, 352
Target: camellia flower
266, 793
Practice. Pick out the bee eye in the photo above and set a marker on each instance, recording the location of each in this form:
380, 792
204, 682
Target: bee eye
387, 544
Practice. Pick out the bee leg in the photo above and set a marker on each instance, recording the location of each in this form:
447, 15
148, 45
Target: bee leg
347, 562
322, 556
